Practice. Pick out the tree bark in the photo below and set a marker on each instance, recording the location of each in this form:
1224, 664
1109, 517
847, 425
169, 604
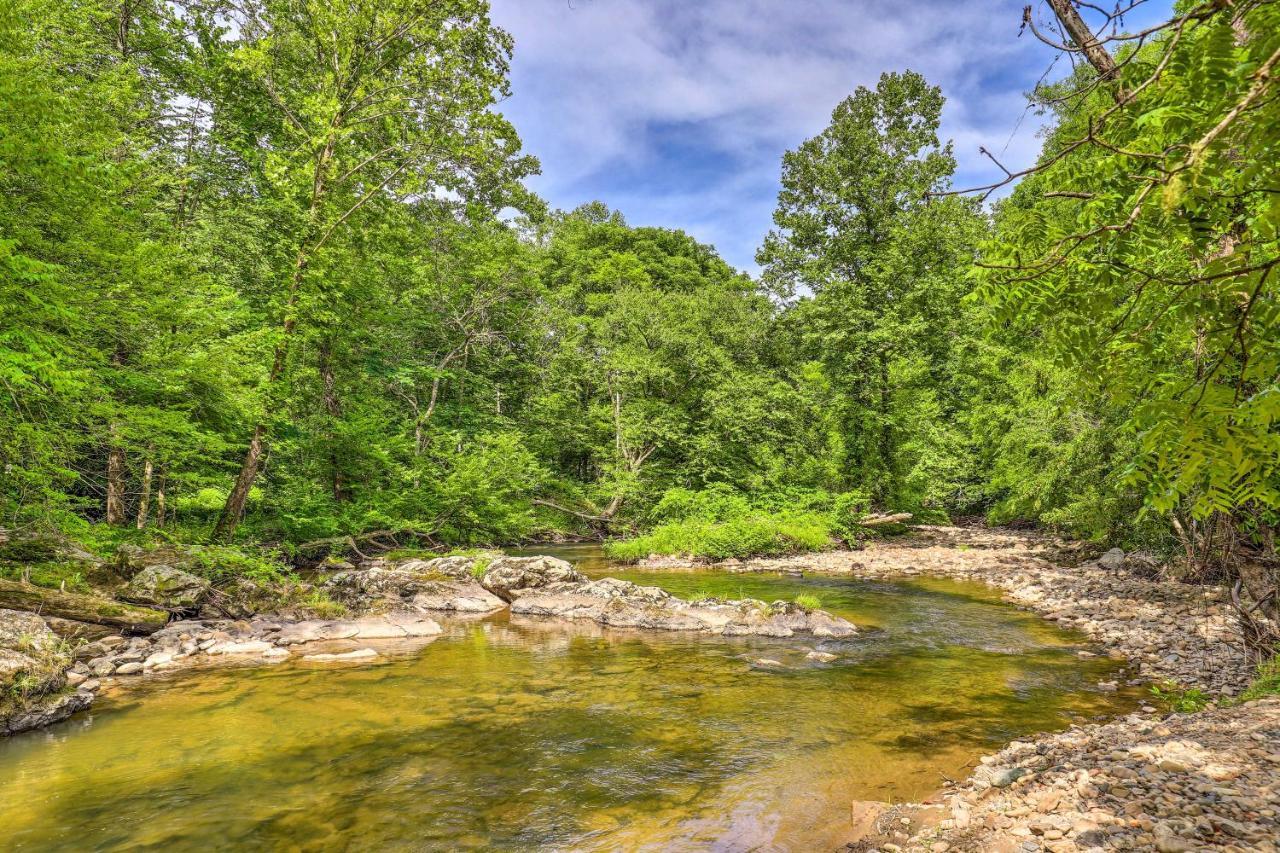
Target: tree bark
82, 608
233, 509
144, 501
160, 502
115, 479
1084, 38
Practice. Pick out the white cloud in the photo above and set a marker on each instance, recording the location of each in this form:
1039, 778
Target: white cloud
602, 87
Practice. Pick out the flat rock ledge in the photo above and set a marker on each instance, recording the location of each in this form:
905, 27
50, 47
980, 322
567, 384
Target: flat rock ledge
546, 586
1206, 781
1168, 631
621, 604
193, 642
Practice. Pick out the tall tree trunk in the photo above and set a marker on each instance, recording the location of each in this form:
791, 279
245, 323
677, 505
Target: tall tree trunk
115, 479
144, 502
333, 409
233, 509
886, 427
160, 502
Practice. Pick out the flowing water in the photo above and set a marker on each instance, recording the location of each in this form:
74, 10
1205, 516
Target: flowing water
511, 733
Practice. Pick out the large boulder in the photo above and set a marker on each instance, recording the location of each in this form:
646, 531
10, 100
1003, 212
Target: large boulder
510, 577
32, 666
164, 586
24, 631
415, 585
623, 604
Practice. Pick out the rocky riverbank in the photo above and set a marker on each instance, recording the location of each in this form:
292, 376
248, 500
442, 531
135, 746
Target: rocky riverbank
390, 601
1188, 782
1181, 633
1150, 781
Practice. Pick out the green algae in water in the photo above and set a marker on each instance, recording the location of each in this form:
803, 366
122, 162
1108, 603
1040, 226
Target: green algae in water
518, 733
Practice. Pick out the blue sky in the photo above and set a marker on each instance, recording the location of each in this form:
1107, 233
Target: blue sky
677, 112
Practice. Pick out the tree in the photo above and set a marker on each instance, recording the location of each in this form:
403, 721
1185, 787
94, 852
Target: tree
1142, 248
879, 270
342, 109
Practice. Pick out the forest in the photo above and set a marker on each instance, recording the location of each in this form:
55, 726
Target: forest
271, 276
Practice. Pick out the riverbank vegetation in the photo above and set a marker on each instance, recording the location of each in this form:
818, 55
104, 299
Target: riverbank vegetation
270, 275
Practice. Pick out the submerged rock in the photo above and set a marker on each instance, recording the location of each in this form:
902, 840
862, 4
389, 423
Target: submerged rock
167, 587
357, 655
623, 604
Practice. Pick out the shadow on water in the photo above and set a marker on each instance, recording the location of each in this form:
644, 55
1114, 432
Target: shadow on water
520, 733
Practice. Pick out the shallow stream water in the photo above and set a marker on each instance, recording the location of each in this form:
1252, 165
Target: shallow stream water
515, 733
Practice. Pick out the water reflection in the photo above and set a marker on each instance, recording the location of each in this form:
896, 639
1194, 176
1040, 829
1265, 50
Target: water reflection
520, 733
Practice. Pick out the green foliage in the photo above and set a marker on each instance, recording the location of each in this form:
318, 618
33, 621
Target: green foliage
223, 563
1266, 682
480, 566
53, 575
1141, 259
1180, 700
718, 523
807, 602
320, 605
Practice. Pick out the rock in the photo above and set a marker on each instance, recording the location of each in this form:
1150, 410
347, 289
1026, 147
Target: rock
167, 587
460, 596
131, 668
157, 659
24, 632
75, 679
246, 647
1112, 561
623, 604
357, 655
1006, 776
821, 657
392, 626
46, 711
1169, 841
101, 667
510, 577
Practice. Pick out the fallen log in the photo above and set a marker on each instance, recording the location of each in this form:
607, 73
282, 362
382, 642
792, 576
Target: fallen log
884, 518
82, 608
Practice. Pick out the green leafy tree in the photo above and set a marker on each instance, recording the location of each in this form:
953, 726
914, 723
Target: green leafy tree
879, 272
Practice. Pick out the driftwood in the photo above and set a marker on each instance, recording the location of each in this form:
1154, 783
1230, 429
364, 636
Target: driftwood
82, 608
876, 519
373, 537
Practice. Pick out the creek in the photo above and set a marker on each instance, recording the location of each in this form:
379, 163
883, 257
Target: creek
518, 733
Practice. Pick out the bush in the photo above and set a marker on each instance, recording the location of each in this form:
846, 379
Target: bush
1267, 682
1181, 700
752, 536
808, 602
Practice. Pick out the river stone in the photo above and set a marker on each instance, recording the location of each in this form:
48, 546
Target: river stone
510, 577
1112, 561
357, 655
131, 668
247, 647
12, 663
167, 587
